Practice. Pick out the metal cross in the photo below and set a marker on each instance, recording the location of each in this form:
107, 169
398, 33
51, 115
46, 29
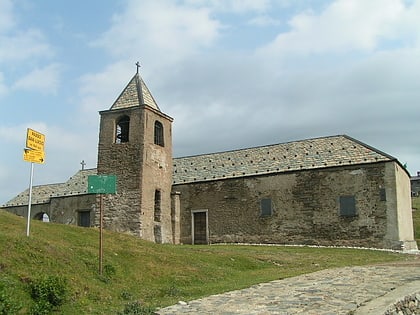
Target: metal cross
83, 164
138, 66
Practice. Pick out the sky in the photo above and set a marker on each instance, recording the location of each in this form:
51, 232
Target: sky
232, 73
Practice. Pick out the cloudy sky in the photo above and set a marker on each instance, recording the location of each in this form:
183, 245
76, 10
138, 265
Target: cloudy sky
232, 73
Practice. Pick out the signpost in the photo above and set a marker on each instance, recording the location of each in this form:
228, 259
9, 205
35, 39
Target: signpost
35, 140
34, 153
34, 156
101, 184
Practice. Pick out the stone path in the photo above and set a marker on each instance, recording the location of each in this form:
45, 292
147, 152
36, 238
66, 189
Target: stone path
350, 290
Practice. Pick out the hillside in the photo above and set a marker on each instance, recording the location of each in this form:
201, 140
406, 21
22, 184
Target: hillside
135, 270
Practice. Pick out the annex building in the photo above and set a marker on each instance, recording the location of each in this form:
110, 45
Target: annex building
332, 190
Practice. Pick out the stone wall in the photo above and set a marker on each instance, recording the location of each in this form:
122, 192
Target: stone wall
121, 211
66, 209
306, 207
142, 168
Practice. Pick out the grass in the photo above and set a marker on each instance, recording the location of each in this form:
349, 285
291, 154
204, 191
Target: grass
155, 275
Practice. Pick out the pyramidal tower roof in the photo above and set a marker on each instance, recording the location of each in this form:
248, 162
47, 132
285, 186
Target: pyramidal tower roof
134, 94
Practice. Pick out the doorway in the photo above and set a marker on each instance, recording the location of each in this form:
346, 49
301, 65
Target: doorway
200, 231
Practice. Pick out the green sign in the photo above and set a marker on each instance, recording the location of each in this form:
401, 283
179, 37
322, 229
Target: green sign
102, 184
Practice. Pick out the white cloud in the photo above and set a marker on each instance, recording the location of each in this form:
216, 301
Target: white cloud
343, 26
264, 20
44, 80
6, 16
18, 44
99, 90
3, 87
235, 6
159, 30
23, 45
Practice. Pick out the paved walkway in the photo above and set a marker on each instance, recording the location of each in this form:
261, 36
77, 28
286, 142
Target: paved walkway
351, 290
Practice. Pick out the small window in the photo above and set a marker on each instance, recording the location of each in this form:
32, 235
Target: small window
122, 129
157, 212
159, 133
348, 206
83, 218
266, 207
382, 194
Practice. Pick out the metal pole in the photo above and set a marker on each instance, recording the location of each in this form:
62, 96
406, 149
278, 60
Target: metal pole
30, 199
101, 239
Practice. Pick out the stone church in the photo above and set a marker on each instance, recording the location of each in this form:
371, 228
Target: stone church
324, 191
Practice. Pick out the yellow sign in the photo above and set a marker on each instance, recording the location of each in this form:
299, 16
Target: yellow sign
34, 156
35, 140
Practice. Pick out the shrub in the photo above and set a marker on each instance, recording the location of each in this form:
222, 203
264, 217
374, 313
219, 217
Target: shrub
48, 293
136, 308
8, 306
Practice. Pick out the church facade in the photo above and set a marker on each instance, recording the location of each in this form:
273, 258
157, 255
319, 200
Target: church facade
332, 190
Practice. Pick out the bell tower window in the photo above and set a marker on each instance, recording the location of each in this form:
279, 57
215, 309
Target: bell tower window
122, 129
159, 133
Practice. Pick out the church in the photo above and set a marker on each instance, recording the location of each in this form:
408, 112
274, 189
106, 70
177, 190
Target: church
332, 191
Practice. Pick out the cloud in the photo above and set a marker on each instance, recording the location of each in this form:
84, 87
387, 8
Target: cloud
159, 30
6, 16
342, 27
18, 44
23, 45
234, 6
3, 87
264, 20
99, 90
43, 80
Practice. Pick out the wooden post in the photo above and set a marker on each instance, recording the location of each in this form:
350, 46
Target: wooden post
101, 239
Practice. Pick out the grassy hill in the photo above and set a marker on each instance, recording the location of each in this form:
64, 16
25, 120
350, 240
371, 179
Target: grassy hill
135, 270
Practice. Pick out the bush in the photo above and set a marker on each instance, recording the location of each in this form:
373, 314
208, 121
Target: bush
136, 308
7, 305
48, 293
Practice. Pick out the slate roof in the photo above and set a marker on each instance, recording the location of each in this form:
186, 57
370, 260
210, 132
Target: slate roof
135, 93
307, 154
76, 185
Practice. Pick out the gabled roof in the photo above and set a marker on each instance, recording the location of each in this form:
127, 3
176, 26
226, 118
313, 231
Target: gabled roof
76, 185
135, 93
308, 154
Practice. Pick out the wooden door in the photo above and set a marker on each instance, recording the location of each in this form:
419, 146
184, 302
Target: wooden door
200, 227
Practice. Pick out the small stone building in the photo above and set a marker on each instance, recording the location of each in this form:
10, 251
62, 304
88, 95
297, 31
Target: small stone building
323, 191
415, 185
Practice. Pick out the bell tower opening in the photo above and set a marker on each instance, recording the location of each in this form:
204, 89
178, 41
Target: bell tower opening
122, 129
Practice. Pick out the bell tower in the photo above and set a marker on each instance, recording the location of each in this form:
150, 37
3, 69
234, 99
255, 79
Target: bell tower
135, 144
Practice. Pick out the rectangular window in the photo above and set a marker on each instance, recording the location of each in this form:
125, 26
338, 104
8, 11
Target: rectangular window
348, 206
84, 218
382, 194
266, 207
157, 213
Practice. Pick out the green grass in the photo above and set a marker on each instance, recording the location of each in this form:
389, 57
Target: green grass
156, 275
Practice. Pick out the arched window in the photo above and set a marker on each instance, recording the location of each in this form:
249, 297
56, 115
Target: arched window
122, 129
159, 133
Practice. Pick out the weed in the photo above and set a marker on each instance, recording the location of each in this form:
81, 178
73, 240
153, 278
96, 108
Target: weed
8, 305
47, 293
136, 308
